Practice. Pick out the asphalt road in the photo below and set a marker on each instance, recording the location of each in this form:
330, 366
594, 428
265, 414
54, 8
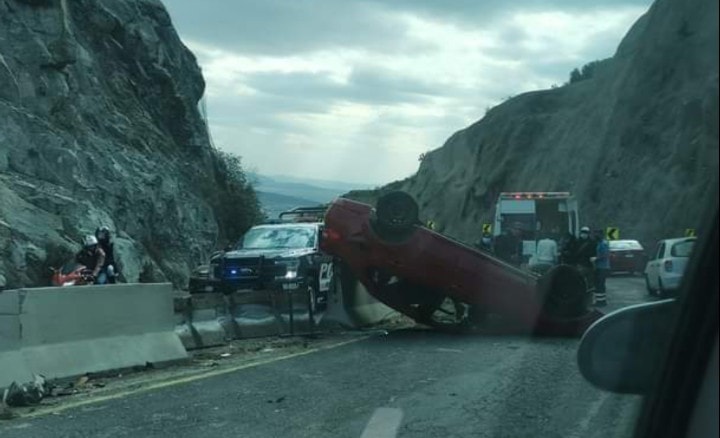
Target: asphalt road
417, 383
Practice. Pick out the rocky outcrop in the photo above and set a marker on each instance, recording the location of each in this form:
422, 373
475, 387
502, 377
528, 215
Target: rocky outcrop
99, 125
637, 142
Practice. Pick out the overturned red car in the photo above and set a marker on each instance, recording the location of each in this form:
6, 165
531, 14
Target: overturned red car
415, 271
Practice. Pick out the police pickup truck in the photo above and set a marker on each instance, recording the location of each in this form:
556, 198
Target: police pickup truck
280, 255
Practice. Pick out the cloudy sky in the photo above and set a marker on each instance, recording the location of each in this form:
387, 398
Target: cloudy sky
356, 90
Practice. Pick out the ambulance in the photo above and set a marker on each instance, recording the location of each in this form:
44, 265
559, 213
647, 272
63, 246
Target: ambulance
535, 213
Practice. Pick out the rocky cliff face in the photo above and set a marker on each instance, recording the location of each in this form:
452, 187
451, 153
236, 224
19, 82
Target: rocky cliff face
637, 143
99, 125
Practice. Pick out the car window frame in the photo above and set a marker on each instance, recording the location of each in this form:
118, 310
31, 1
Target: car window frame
668, 409
660, 250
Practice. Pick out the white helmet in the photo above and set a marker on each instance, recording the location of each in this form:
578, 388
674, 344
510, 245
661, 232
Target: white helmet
585, 230
89, 240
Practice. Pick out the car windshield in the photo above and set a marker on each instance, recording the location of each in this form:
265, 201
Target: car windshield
342, 218
278, 238
621, 245
682, 249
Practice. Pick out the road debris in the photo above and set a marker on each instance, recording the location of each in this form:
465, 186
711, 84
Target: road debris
235, 354
6, 413
82, 381
277, 400
63, 392
27, 394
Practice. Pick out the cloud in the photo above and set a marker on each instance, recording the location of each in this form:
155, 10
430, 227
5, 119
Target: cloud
358, 89
282, 27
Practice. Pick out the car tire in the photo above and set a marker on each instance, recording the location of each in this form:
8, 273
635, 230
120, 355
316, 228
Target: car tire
661, 292
564, 293
650, 290
397, 211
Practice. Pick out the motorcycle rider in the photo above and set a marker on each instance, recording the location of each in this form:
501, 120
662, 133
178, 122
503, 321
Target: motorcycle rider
104, 241
93, 257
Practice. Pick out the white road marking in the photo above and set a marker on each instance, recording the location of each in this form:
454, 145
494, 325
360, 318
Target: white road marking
449, 350
384, 423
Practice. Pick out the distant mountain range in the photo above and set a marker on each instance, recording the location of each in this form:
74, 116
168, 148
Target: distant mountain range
281, 193
273, 204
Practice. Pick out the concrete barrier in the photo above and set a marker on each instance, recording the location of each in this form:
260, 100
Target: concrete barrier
350, 305
12, 366
64, 332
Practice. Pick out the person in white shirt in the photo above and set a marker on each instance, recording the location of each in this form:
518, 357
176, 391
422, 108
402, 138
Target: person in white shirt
546, 254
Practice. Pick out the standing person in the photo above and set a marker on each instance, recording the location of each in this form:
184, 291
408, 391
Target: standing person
517, 244
585, 250
507, 246
486, 242
601, 262
568, 249
546, 254
104, 241
502, 247
92, 257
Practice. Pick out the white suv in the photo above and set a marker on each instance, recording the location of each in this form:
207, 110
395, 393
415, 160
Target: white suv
664, 271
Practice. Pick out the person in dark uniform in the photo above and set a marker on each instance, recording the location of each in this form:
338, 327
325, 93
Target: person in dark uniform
584, 254
508, 246
585, 249
105, 242
568, 249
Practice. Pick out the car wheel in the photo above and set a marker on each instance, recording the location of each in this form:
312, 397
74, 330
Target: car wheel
397, 211
661, 290
649, 289
564, 293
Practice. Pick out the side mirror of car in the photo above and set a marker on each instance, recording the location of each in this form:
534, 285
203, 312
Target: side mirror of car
622, 351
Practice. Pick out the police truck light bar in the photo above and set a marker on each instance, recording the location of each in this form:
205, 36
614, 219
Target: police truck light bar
304, 214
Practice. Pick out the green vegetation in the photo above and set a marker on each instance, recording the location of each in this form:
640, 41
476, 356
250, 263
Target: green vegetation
586, 72
233, 198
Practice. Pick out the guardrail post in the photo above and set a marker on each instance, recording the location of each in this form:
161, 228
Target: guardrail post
231, 307
311, 313
291, 312
277, 312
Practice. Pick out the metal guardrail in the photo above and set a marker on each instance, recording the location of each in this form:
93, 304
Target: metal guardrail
211, 319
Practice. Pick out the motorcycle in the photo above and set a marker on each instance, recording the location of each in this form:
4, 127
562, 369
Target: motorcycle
72, 274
